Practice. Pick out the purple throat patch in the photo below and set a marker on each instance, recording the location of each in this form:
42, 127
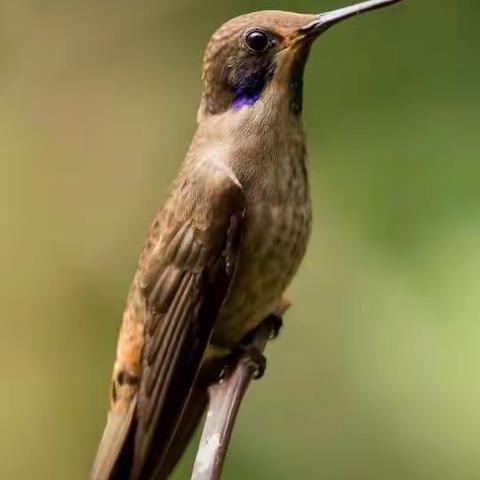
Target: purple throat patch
245, 99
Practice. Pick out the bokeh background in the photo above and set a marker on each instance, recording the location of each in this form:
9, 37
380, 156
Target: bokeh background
376, 374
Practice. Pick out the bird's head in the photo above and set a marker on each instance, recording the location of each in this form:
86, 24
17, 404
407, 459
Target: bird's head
259, 58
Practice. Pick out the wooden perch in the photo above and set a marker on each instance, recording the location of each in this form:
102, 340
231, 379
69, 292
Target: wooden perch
225, 398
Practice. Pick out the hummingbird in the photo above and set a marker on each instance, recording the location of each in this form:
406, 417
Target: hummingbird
225, 245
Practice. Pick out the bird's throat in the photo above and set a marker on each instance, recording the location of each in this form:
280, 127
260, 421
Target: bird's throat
251, 85
269, 80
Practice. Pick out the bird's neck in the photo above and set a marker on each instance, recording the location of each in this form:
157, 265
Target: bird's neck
261, 145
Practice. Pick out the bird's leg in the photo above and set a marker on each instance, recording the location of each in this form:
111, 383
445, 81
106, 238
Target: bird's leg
253, 359
247, 353
276, 318
276, 324
247, 350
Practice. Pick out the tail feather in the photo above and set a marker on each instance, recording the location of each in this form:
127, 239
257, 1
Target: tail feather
190, 418
112, 445
189, 421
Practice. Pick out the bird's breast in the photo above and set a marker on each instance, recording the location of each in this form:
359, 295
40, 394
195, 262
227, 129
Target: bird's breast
276, 232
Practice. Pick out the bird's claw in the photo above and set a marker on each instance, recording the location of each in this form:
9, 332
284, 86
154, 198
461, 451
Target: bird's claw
276, 322
255, 361
248, 353
249, 356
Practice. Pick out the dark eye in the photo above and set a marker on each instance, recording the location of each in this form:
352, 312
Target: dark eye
257, 41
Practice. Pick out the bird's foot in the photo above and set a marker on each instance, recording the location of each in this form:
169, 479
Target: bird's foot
276, 324
249, 356
248, 352
273, 322
255, 361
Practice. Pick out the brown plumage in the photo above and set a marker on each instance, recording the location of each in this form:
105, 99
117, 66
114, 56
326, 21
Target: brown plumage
224, 247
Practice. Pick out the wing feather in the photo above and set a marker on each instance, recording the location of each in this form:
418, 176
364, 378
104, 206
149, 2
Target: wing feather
184, 291
185, 272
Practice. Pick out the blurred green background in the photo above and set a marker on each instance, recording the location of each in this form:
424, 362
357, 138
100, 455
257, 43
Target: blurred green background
375, 375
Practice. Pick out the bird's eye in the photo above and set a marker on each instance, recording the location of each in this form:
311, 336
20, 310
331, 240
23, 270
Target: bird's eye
257, 41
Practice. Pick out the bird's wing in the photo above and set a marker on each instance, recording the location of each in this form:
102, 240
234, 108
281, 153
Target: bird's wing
185, 280
185, 274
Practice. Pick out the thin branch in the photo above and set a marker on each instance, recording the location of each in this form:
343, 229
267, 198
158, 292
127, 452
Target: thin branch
225, 399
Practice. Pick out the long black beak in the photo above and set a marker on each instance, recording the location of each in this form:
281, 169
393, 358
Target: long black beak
326, 20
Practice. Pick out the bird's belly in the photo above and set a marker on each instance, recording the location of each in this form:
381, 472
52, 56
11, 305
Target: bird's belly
274, 242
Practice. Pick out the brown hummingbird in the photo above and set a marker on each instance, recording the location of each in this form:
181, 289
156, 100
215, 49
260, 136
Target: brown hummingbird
225, 245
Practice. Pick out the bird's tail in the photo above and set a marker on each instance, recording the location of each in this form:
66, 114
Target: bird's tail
191, 416
186, 427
